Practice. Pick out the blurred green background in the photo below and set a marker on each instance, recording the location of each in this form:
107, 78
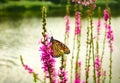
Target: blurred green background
54, 7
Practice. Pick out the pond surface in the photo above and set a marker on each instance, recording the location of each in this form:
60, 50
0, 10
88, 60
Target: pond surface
20, 36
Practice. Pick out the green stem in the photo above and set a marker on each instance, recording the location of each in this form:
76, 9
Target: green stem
92, 43
68, 8
87, 56
103, 49
44, 29
104, 78
34, 74
21, 59
110, 68
78, 53
62, 61
97, 44
66, 37
103, 52
44, 79
62, 67
44, 23
44, 36
50, 77
73, 49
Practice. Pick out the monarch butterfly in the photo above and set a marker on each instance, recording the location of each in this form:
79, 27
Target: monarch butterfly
58, 48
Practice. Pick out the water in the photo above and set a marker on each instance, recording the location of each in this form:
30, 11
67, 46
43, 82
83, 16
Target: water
20, 36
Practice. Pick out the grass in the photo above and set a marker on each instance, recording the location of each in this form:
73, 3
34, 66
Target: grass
26, 4
34, 8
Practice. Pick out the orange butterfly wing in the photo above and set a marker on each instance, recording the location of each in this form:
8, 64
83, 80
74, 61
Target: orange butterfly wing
56, 51
59, 48
62, 46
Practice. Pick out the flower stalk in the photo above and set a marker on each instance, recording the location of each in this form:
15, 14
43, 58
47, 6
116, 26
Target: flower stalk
78, 38
88, 52
92, 49
62, 72
46, 52
30, 70
110, 38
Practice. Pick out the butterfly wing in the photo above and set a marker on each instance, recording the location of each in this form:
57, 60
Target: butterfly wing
59, 48
56, 51
62, 47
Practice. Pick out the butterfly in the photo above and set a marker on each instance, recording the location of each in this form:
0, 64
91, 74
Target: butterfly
58, 48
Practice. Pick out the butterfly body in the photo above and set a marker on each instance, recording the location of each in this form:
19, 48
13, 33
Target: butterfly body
58, 48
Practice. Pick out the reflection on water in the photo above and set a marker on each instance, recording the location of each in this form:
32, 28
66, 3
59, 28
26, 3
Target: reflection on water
21, 36
17, 36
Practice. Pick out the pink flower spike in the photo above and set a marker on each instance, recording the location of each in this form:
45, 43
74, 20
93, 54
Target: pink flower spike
77, 31
48, 62
79, 63
112, 37
77, 81
77, 23
26, 67
83, 82
67, 18
111, 48
63, 76
106, 15
30, 70
98, 27
98, 66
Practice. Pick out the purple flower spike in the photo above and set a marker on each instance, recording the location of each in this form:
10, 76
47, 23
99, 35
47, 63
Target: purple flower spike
106, 15
47, 60
63, 76
77, 23
67, 18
